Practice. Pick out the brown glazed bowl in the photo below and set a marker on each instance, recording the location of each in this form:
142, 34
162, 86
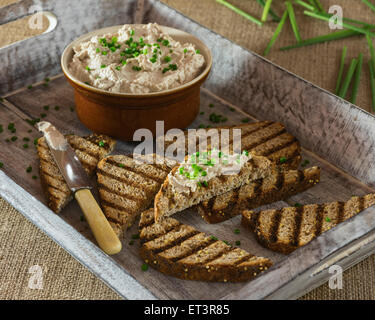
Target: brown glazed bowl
120, 114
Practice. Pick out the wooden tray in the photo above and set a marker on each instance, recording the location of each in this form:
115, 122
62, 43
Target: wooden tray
335, 135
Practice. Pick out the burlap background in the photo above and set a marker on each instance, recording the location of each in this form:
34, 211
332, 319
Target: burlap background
22, 245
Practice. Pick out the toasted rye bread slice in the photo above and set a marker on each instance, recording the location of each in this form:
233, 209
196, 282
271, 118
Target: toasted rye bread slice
127, 187
182, 251
89, 153
168, 202
278, 186
289, 228
266, 138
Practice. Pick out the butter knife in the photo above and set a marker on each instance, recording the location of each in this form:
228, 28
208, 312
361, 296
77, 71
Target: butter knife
79, 183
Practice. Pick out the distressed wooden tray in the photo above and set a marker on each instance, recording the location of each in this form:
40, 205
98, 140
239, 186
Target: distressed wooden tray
337, 136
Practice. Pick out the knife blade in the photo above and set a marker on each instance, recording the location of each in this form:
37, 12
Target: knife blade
78, 182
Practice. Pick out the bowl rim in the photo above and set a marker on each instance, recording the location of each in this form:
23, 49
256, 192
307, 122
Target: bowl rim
69, 48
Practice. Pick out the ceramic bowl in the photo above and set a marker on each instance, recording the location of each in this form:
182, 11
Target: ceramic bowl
120, 114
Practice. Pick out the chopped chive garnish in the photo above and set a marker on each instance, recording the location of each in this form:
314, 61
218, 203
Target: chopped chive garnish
57, 107
297, 205
201, 113
46, 108
103, 66
135, 236
226, 242
101, 143
118, 68
82, 218
238, 243
213, 238
357, 79
185, 50
29, 169
240, 12
88, 68
276, 33
121, 165
1, 129
305, 163
97, 50
328, 37
29, 86
211, 105
47, 79
165, 43
324, 17
136, 68
43, 115
144, 267
26, 139
237, 231
11, 126
1, 165
25, 146
104, 53
29, 131
245, 120
34, 177
197, 51
205, 182
132, 32
341, 69
167, 59
232, 109
372, 84
266, 9
348, 78
201, 126
275, 17
328, 219
14, 138
293, 21
131, 242
36, 141
282, 160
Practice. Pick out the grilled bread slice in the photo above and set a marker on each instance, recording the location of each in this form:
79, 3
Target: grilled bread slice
266, 138
89, 151
168, 202
289, 228
128, 186
278, 186
182, 251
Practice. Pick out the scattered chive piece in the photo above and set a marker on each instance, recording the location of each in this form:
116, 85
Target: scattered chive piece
121, 165
306, 5
245, 120
26, 139
240, 12
341, 70
357, 79
226, 242
14, 138
202, 113
369, 4
297, 205
101, 143
237, 231
25, 146
34, 177
1, 165
103, 66
29, 131
132, 32
135, 236
29, 86
43, 115
57, 107
131, 242
266, 9
47, 79
372, 52
348, 78
275, 17
1, 129
328, 37
29, 169
213, 238
185, 50
82, 218
293, 21
211, 105
282, 160
46, 108
238, 243
372, 84
344, 24
328, 219
305, 163
276, 33
144, 267
232, 109
36, 141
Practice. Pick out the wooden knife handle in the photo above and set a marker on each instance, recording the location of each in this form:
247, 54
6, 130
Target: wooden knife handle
100, 227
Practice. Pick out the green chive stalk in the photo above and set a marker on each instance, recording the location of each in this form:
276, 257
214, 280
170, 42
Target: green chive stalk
292, 18
357, 79
305, 5
369, 4
319, 6
344, 24
348, 78
341, 70
274, 16
372, 84
277, 32
266, 9
240, 12
371, 48
328, 37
